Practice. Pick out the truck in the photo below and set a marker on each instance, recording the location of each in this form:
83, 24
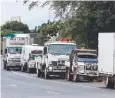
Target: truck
82, 65
106, 58
53, 60
29, 56
12, 48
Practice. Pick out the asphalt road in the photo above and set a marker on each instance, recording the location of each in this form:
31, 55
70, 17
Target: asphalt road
15, 84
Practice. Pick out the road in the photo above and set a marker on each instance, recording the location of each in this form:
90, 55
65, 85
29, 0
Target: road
15, 84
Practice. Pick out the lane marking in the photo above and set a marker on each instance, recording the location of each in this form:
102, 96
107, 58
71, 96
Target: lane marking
53, 81
52, 92
62, 82
13, 85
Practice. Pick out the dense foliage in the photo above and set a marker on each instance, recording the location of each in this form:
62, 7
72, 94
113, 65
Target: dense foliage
12, 26
83, 20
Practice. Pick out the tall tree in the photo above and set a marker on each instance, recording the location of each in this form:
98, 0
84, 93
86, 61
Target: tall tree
85, 19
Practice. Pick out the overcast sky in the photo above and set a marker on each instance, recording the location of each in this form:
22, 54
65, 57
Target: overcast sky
35, 17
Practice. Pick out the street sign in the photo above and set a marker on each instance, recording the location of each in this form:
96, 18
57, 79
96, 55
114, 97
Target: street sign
11, 34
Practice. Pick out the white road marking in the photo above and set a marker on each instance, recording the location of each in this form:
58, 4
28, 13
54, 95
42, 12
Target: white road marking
13, 85
62, 82
52, 92
53, 81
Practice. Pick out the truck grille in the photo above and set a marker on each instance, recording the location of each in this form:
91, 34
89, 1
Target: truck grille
91, 67
58, 63
54, 63
17, 60
61, 63
95, 68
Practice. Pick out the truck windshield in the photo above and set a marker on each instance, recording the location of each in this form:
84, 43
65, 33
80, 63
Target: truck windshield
60, 49
33, 56
14, 50
87, 58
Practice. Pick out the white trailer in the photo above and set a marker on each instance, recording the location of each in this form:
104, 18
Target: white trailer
28, 57
106, 58
12, 50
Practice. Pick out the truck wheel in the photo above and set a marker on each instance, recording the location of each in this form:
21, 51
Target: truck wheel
62, 76
75, 76
38, 73
4, 65
68, 76
46, 75
7, 68
28, 70
108, 82
22, 69
19, 68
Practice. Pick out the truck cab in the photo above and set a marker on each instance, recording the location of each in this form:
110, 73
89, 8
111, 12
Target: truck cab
29, 57
54, 57
82, 65
12, 48
12, 57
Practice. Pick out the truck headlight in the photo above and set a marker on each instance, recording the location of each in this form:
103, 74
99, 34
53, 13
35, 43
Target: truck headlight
50, 68
50, 62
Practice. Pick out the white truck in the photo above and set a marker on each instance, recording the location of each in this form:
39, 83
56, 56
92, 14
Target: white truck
54, 56
106, 58
12, 48
28, 57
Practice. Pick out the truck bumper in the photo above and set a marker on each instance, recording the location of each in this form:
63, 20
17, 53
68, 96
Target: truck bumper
13, 64
89, 75
60, 73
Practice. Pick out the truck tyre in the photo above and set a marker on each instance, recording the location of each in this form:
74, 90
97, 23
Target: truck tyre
68, 75
46, 75
7, 68
22, 69
19, 68
4, 64
28, 70
38, 73
108, 82
75, 76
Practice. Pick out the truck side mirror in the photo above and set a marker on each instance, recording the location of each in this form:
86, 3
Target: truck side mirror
45, 50
5, 51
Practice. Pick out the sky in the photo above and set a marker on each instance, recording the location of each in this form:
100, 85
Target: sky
35, 17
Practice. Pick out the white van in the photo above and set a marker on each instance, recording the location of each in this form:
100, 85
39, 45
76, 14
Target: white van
28, 57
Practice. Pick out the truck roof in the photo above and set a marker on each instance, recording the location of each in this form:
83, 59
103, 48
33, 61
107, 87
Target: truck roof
85, 51
87, 54
30, 46
59, 42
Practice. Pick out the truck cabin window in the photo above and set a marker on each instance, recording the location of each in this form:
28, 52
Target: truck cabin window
34, 54
87, 58
14, 50
61, 49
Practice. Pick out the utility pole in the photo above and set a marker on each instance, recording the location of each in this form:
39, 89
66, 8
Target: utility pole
49, 16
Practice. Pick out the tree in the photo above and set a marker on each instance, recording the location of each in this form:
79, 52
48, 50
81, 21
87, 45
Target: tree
84, 19
47, 30
97, 16
15, 26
